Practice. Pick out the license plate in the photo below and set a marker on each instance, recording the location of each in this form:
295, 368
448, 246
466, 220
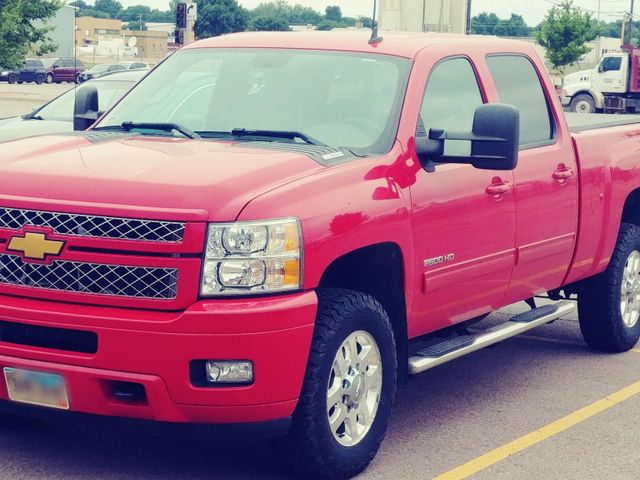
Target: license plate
36, 388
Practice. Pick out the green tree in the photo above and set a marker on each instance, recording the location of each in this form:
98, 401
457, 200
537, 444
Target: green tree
564, 33
217, 17
301, 15
110, 7
133, 13
137, 25
514, 26
269, 23
326, 25
333, 13
484, 24
24, 30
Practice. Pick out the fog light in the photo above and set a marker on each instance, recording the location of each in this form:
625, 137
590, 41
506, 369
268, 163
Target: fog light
229, 371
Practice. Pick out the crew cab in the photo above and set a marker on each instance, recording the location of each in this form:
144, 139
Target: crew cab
272, 230
32, 70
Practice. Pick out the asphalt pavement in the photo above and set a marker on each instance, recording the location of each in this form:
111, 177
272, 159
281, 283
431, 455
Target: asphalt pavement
539, 406
19, 99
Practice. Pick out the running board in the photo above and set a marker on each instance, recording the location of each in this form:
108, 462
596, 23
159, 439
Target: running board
457, 347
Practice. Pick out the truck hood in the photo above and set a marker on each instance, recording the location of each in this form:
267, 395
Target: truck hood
201, 179
581, 78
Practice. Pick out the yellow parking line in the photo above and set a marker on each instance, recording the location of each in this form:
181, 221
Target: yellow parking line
491, 458
635, 350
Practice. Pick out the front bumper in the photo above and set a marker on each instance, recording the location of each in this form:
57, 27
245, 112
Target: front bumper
155, 349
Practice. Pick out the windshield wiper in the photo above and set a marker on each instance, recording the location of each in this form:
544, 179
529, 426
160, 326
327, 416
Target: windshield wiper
286, 134
163, 127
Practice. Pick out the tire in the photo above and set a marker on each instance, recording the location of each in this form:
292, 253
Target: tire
49, 78
78, 78
313, 449
583, 103
12, 78
39, 79
607, 323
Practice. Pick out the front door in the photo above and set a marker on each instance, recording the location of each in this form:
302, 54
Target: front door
546, 180
611, 74
463, 218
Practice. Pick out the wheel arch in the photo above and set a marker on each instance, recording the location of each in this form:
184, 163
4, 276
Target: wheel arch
631, 208
378, 270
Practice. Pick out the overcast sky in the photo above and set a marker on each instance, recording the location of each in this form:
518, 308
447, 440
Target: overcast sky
531, 10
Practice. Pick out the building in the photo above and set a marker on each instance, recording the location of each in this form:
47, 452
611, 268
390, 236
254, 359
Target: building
92, 31
62, 28
103, 39
149, 44
448, 16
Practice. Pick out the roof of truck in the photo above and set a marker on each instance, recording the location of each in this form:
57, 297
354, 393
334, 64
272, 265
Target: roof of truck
399, 44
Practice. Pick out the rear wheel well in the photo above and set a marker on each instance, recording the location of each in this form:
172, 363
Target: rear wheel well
377, 270
631, 210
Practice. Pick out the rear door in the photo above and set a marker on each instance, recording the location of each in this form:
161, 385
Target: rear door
463, 218
546, 180
68, 70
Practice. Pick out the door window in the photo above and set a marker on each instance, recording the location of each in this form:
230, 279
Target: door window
518, 84
611, 64
450, 101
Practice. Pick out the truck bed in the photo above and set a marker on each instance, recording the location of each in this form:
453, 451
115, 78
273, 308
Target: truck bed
579, 122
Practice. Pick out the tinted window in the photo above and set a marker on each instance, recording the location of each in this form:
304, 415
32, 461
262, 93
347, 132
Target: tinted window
68, 63
518, 84
611, 64
450, 101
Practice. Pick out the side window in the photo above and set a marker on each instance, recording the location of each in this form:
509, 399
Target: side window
450, 101
68, 63
518, 84
611, 64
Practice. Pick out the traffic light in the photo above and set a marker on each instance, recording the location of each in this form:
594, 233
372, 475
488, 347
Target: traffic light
181, 15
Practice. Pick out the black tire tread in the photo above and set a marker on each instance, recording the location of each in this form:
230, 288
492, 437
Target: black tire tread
302, 449
599, 300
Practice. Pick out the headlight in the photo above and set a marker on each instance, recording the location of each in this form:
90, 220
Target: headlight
244, 258
4, 73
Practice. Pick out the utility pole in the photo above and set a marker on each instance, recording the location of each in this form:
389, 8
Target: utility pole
468, 26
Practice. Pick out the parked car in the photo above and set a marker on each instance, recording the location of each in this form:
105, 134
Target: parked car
135, 65
63, 69
32, 70
100, 69
56, 116
273, 252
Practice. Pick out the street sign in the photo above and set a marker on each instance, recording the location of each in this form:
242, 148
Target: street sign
192, 11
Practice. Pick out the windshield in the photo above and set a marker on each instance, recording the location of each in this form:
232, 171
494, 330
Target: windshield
62, 107
344, 100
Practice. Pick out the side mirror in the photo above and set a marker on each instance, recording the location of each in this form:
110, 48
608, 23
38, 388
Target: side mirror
494, 141
600, 69
86, 108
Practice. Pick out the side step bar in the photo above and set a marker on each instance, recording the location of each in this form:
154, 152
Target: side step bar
457, 347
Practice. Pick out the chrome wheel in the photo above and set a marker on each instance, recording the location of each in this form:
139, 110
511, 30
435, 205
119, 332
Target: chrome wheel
354, 389
630, 290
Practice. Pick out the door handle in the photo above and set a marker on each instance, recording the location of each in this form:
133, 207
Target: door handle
498, 187
563, 172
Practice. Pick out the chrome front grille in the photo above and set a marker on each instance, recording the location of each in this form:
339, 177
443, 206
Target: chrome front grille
98, 279
94, 226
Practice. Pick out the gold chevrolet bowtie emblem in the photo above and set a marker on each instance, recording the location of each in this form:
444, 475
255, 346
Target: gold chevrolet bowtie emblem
35, 245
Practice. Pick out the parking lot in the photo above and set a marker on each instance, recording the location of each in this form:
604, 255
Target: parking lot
539, 406
20, 99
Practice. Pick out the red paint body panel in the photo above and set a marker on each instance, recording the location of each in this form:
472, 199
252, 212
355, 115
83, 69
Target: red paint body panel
542, 234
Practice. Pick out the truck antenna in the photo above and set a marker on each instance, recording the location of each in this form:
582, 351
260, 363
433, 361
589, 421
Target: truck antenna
375, 38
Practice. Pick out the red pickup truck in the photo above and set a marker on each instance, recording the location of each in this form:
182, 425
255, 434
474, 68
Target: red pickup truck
271, 230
